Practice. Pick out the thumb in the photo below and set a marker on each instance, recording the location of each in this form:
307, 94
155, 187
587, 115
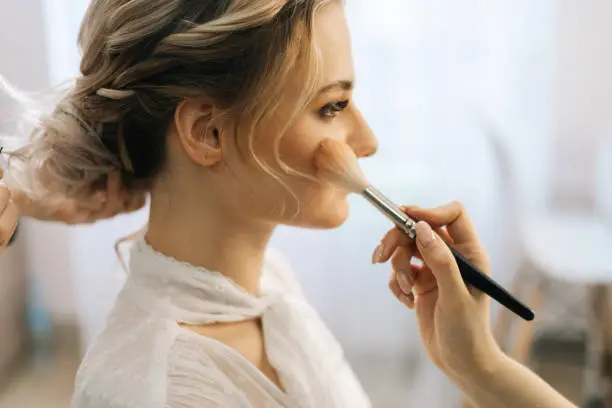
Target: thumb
440, 260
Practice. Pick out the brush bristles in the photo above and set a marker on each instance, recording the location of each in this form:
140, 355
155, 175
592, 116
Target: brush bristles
337, 163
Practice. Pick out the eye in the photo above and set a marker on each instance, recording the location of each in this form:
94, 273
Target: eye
332, 109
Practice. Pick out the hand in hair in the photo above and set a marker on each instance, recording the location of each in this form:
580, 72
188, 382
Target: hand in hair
8, 216
101, 205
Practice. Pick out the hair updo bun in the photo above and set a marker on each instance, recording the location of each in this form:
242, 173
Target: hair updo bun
140, 59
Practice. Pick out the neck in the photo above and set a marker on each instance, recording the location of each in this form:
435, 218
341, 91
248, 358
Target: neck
209, 237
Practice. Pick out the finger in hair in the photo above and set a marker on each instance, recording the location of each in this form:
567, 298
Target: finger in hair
92, 203
114, 202
135, 203
72, 213
5, 196
8, 221
113, 183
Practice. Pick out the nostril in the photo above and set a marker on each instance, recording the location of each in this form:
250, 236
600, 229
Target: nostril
368, 154
368, 151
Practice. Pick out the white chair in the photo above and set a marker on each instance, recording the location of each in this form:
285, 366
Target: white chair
569, 246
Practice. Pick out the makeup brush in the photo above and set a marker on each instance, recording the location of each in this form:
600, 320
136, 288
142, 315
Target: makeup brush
337, 163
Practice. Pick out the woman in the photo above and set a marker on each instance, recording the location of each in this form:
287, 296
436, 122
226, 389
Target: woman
216, 109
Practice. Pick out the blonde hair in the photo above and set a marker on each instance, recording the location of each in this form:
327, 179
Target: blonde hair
140, 58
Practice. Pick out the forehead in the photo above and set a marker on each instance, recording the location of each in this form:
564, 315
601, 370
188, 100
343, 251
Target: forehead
332, 40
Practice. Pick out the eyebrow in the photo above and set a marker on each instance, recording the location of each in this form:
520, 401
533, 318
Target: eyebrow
344, 84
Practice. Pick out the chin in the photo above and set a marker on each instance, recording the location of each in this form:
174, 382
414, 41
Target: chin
329, 216
325, 209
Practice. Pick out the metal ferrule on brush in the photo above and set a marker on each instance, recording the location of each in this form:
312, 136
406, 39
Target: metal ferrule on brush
390, 210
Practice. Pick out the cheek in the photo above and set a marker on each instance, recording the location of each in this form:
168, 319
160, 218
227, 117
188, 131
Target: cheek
297, 151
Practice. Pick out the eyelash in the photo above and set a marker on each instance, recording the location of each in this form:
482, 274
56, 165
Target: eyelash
332, 109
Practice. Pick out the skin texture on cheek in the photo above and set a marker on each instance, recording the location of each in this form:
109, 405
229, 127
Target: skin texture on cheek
297, 149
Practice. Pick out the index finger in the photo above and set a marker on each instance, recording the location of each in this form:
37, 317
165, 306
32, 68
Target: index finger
453, 216
5, 197
114, 199
8, 223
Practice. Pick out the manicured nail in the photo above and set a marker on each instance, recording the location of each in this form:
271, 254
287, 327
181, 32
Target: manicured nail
405, 282
409, 299
425, 234
377, 254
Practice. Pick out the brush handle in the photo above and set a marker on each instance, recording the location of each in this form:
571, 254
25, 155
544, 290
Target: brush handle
469, 272
485, 284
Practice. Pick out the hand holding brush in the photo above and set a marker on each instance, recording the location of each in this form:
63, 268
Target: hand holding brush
336, 162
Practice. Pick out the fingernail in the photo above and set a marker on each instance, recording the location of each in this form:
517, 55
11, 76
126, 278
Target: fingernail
409, 298
377, 254
425, 234
404, 282
450, 204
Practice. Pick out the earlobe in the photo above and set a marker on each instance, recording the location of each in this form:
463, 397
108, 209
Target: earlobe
199, 136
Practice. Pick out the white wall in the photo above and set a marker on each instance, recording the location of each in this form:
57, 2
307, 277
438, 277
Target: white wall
583, 91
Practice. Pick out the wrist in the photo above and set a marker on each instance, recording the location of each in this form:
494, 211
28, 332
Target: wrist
482, 370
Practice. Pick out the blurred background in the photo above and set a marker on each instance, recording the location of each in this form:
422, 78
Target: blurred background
502, 104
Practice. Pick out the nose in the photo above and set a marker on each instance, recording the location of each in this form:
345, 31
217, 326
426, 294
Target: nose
362, 139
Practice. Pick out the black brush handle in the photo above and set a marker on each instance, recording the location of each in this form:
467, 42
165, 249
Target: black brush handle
485, 284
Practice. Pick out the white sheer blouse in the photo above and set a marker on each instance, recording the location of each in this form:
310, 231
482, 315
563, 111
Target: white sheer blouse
144, 359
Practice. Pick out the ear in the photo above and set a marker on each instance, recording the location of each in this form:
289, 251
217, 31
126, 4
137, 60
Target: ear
198, 134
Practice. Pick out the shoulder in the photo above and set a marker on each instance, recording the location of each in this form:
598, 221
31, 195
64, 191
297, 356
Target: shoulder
139, 361
125, 366
199, 375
